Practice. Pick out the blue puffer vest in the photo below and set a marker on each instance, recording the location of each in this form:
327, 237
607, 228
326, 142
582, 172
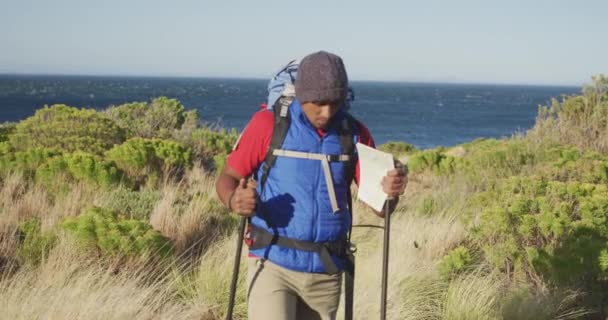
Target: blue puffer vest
295, 198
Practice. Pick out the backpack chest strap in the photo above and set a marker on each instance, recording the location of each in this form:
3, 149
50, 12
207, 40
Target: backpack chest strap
325, 159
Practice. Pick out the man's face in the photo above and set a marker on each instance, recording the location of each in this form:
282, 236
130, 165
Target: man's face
319, 113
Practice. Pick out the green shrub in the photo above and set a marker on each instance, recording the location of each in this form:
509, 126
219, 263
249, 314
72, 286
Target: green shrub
156, 119
147, 159
135, 204
35, 244
88, 167
211, 147
489, 159
54, 176
5, 148
6, 129
58, 172
81, 167
104, 230
397, 148
455, 262
575, 165
27, 161
166, 118
433, 160
67, 129
576, 120
428, 206
554, 229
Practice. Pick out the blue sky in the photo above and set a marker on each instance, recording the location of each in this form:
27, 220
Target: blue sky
527, 42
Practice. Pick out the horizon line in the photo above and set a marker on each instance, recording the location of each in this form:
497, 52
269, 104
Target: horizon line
438, 82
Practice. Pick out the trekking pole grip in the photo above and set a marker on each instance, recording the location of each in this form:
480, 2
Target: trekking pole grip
235, 270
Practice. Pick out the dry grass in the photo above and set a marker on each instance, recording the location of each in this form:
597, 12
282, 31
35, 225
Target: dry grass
211, 279
67, 286
473, 296
200, 221
522, 302
416, 243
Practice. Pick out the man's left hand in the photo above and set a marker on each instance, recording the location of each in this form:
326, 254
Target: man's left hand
395, 181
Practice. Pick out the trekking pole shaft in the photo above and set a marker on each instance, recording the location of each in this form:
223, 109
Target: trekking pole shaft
235, 270
387, 230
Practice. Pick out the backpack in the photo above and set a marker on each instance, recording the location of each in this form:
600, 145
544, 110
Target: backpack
283, 84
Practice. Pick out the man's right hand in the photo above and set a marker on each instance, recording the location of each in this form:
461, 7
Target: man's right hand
244, 200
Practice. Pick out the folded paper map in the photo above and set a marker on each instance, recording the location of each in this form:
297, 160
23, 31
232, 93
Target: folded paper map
374, 165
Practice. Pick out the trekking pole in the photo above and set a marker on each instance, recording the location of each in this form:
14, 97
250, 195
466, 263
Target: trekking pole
235, 270
387, 230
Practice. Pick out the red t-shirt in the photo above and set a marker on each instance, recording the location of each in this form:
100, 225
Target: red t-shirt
251, 148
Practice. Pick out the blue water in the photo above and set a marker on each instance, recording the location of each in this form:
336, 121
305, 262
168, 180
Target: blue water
425, 115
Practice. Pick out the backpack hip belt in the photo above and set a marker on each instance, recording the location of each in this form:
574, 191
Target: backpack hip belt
342, 248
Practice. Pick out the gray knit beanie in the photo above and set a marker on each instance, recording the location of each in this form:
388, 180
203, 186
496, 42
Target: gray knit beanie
321, 78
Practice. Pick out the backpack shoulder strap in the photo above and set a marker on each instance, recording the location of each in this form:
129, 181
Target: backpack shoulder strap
282, 120
348, 128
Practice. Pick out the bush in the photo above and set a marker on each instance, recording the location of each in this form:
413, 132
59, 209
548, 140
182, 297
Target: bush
156, 119
56, 171
433, 160
212, 147
428, 206
397, 148
455, 262
67, 129
549, 228
105, 231
54, 175
165, 118
35, 244
489, 159
27, 161
147, 159
575, 165
6, 129
81, 167
93, 169
135, 204
580, 120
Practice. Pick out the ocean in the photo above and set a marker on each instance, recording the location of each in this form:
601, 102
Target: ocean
423, 114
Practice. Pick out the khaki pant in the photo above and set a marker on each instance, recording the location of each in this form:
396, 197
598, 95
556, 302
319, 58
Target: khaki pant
276, 293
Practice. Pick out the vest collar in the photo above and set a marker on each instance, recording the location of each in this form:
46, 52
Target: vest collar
298, 113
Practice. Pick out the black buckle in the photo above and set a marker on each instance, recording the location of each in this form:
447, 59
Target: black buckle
340, 247
352, 248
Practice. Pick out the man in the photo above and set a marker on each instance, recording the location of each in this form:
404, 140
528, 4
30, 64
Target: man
299, 217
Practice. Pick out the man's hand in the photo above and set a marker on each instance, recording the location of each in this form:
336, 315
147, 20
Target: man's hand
395, 181
244, 199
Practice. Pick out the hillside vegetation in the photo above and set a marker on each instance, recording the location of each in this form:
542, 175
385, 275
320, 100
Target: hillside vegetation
113, 215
